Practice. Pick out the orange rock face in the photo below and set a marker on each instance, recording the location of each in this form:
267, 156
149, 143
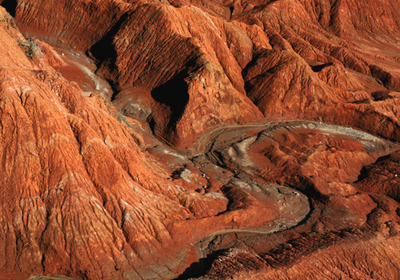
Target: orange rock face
163, 139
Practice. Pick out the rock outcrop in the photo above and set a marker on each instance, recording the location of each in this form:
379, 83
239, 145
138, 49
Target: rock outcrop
145, 139
305, 59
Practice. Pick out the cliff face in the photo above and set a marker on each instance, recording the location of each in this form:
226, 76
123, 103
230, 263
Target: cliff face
138, 137
304, 59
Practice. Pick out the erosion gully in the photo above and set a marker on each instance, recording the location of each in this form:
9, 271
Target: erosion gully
224, 150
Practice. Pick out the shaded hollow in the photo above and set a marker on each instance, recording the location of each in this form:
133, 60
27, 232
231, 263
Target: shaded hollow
104, 49
10, 6
171, 99
318, 68
200, 268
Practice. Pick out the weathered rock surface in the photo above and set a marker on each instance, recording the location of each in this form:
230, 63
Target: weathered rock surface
151, 139
305, 59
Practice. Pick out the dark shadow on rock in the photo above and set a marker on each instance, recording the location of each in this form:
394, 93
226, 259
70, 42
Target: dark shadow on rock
10, 6
381, 95
318, 68
368, 170
104, 49
172, 98
201, 267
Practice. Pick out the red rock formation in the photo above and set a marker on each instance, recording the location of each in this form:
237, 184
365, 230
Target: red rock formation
87, 191
381, 176
209, 57
79, 196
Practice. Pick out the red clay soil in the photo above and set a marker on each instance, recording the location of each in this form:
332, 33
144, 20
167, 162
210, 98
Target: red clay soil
245, 139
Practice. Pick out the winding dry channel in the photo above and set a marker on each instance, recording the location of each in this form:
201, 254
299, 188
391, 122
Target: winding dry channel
228, 147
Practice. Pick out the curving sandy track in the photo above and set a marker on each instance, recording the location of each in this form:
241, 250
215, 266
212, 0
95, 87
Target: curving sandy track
229, 144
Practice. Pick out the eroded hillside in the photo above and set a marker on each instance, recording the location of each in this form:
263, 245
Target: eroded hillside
213, 139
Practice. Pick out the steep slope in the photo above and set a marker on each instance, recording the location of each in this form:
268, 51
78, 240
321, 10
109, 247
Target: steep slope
303, 59
134, 141
79, 196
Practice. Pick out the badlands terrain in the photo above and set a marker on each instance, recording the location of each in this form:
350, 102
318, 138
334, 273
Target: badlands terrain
203, 139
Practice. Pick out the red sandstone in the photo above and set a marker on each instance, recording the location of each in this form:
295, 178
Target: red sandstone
137, 137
